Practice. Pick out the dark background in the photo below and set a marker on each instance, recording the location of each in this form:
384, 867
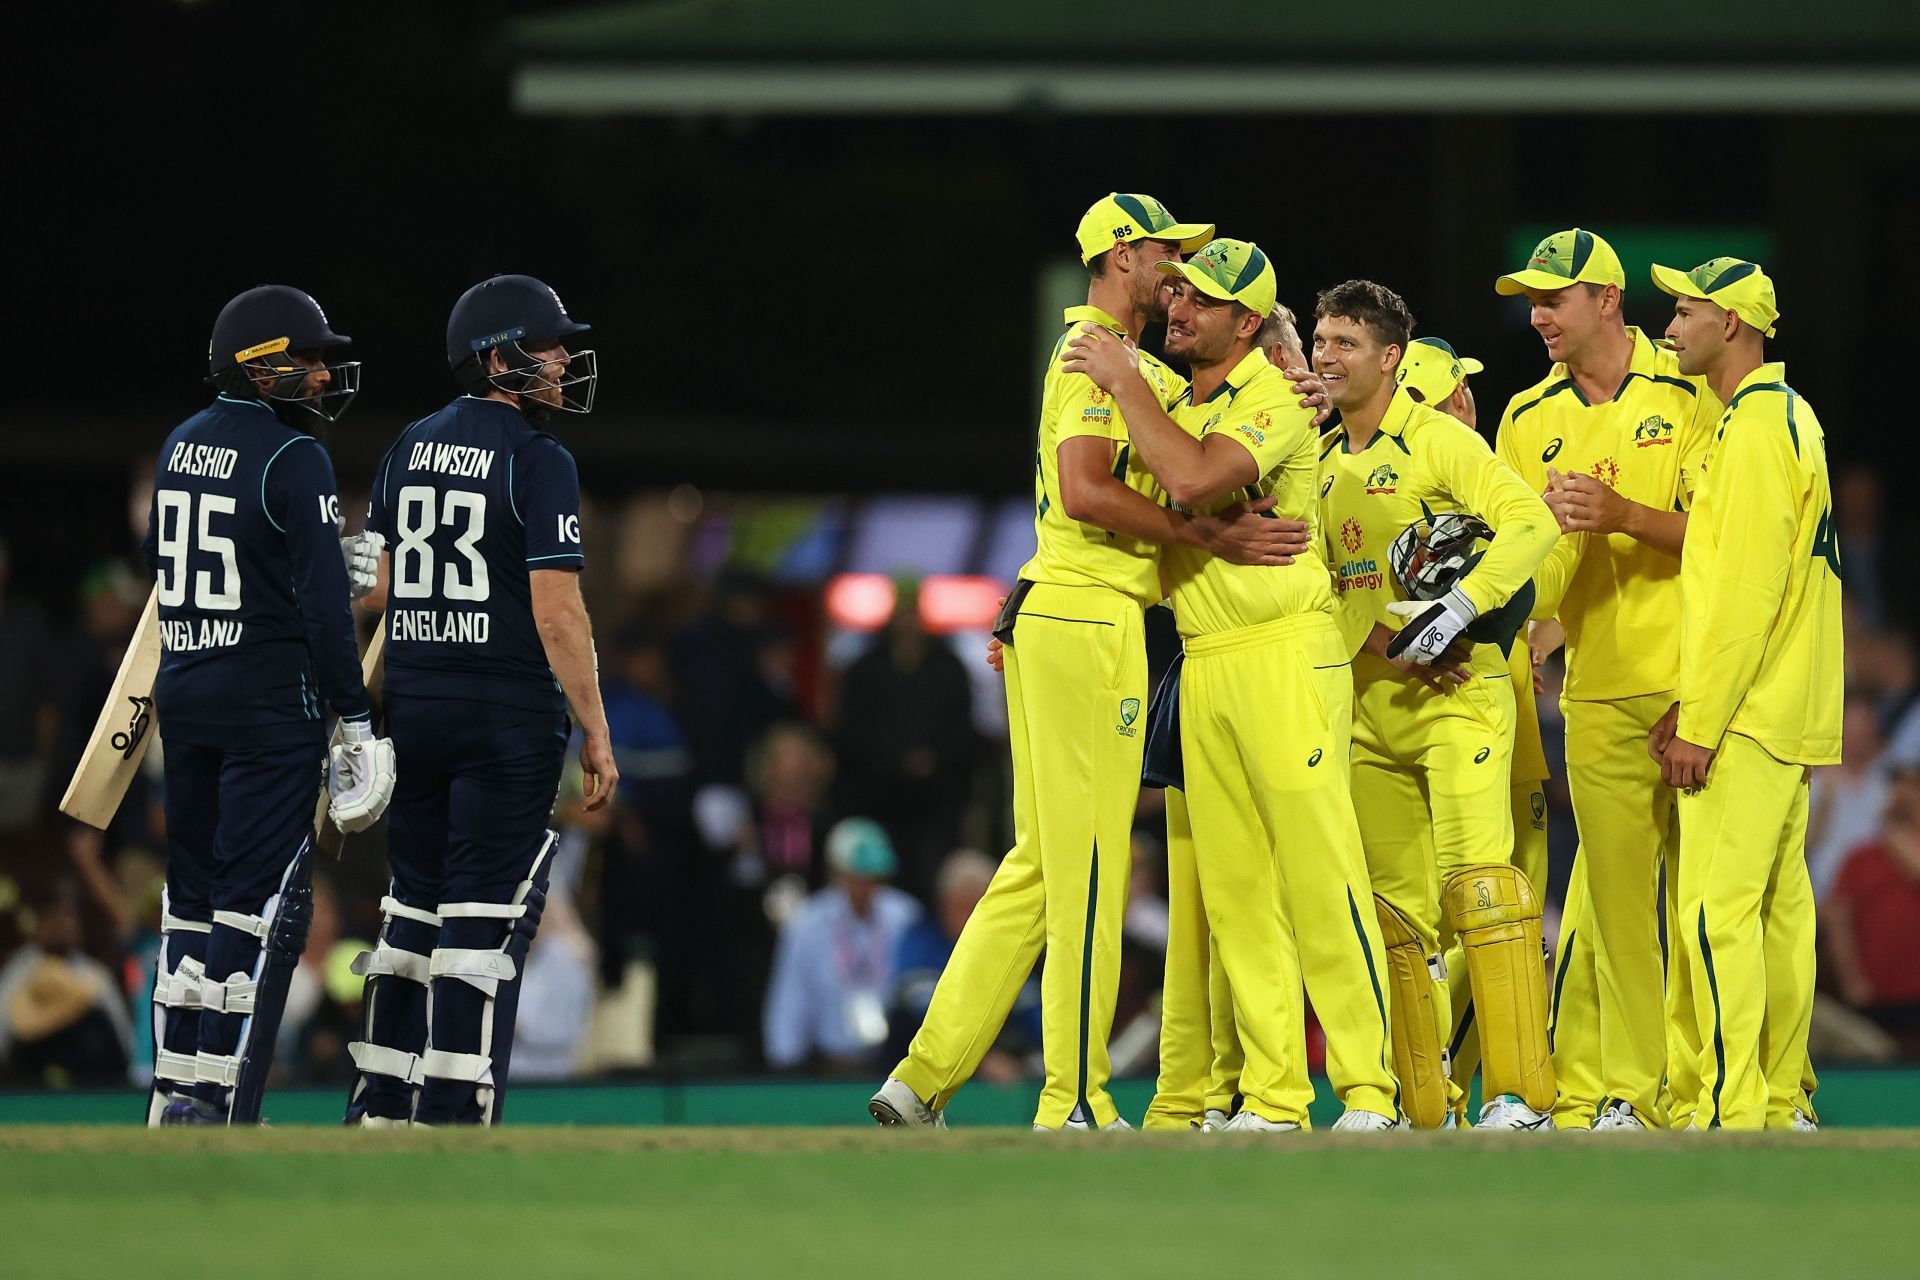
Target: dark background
802, 303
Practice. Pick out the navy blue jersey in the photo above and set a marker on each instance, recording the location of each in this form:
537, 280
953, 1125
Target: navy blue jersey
243, 539
469, 501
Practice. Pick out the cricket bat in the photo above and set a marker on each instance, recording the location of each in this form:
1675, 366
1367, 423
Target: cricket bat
331, 839
121, 734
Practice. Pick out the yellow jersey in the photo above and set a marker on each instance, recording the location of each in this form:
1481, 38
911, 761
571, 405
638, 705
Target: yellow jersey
1617, 597
1422, 462
1760, 637
1261, 410
1071, 553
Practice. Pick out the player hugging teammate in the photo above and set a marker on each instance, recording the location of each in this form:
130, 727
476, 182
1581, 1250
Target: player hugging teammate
1349, 740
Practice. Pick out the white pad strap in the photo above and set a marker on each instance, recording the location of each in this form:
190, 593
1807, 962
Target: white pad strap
391, 906
384, 959
177, 1067
170, 923
482, 910
485, 970
1437, 967
255, 925
235, 995
476, 1068
216, 1068
378, 1059
181, 988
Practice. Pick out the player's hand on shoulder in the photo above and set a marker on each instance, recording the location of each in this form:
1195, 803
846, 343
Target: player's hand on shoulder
361, 551
360, 775
1312, 393
1104, 358
600, 774
1242, 533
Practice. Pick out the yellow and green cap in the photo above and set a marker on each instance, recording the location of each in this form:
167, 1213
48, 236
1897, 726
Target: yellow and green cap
1119, 218
1232, 270
1433, 368
1739, 286
1565, 258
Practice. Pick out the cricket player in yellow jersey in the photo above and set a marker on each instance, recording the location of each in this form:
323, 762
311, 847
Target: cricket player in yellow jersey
1076, 682
1614, 435
1433, 373
1759, 702
1432, 759
1265, 703
1200, 1056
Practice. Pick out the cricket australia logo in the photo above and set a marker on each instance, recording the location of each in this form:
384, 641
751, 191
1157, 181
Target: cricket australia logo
1350, 535
1129, 712
1655, 430
135, 733
1383, 479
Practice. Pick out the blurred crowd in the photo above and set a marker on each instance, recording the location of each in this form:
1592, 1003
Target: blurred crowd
807, 815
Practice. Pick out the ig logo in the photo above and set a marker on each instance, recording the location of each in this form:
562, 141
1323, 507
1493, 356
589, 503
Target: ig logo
569, 528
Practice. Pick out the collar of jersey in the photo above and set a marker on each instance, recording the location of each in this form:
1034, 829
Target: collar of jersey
1392, 423
1644, 362
242, 404
1241, 374
1075, 315
1773, 373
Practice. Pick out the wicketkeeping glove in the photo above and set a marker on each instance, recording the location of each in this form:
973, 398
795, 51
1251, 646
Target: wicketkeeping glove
360, 776
362, 554
1432, 626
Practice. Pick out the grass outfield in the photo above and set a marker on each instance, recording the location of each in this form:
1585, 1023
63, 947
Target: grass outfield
856, 1202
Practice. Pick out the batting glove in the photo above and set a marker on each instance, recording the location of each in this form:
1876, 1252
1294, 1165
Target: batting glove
362, 554
1432, 626
360, 776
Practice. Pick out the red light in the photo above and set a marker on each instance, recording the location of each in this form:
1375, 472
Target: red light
959, 603
860, 601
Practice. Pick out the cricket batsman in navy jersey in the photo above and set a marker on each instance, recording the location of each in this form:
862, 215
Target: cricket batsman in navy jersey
488, 648
253, 580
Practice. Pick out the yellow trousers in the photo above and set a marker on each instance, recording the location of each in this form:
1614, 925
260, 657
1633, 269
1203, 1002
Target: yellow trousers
1746, 928
1628, 828
1200, 1055
1573, 1025
1266, 717
1076, 679
1432, 786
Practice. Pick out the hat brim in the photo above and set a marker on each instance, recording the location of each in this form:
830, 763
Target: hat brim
1469, 366
1188, 235
1517, 283
1668, 280
1198, 279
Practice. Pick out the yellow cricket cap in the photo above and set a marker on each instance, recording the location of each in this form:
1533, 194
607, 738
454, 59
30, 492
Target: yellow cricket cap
1740, 287
1433, 368
1565, 258
1232, 270
1119, 218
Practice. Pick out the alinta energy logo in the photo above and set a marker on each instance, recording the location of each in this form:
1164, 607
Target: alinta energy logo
1655, 430
1383, 479
1351, 536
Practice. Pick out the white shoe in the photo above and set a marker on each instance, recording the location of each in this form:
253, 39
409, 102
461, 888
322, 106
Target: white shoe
1509, 1112
895, 1105
1619, 1116
1364, 1122
1249, 1122
1216, 1121
1804, 1123
384, 1122
1079, 1123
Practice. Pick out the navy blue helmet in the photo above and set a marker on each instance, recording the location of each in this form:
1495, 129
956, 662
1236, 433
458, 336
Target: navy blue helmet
253, 339
516, 316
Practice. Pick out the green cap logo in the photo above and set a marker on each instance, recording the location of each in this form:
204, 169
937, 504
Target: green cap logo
1129, 710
